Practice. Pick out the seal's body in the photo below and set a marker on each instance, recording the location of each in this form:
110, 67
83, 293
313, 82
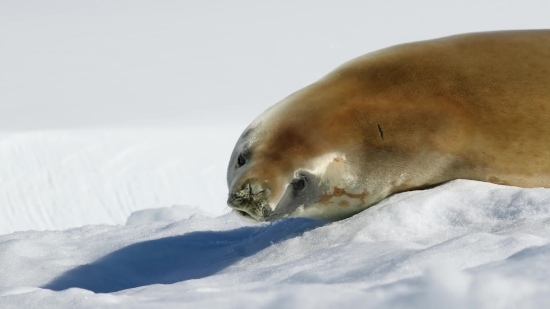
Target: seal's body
473, 106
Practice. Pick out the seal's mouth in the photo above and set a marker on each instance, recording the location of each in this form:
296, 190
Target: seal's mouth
250, 201
250, 209
249, 216
244, 214
257, 214
245, 208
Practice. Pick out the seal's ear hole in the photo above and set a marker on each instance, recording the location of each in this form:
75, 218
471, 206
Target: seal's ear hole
241, 160
298, 183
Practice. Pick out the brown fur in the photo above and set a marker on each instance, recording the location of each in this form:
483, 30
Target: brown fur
477, 106
482, 97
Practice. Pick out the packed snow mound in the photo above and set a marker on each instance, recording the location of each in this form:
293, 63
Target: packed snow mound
61, 179
165, 214
462, 244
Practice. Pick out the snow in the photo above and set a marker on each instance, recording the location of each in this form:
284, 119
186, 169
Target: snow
116, 123
464, 244
58, 179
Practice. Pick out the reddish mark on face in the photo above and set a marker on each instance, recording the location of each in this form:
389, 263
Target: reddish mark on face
343, 203
337, 192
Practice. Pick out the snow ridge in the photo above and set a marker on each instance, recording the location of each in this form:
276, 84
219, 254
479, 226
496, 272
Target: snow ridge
465, 244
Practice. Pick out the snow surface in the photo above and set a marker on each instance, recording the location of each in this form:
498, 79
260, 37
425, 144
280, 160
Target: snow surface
463, 244
117, 120
58, 179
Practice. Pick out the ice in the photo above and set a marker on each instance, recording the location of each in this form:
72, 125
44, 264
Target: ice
464, 244
117, 120
164, 214
59, 179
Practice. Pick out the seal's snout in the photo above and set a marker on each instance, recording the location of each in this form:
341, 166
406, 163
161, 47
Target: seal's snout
251, 200
255, 188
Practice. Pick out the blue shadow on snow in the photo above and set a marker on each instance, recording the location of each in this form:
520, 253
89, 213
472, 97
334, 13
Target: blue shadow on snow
178, 258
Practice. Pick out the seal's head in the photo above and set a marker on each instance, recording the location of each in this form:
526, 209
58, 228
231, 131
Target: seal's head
291, 161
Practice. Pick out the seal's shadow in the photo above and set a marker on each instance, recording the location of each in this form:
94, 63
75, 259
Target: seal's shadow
178, 258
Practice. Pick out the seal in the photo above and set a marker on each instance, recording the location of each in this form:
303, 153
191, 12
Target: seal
412, 116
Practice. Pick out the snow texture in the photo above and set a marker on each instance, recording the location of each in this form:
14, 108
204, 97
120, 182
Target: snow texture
117, 120
61, 179
463, 244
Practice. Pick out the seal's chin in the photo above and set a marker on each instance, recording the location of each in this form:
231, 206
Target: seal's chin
250, 212
249, 216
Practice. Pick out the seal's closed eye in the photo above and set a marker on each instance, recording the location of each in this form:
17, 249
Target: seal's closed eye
241, 160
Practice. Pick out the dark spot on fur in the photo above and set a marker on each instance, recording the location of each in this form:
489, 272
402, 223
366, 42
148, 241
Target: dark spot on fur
380, 131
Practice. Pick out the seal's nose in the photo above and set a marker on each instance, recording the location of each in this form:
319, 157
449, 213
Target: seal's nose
254, 188
250, 200
249, 194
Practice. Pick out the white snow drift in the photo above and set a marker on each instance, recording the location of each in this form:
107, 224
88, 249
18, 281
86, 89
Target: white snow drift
464, 244
62, 179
